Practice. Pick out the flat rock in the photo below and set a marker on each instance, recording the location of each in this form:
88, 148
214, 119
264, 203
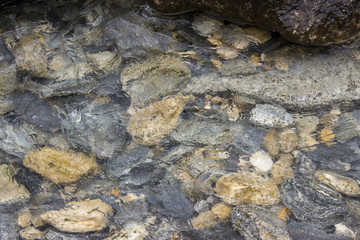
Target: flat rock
58, 165
255, 222
80, 217
327, 206
242, 188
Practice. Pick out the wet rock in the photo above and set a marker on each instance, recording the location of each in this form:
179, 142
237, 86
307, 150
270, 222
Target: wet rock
237, 67
153, 79
249, 140
241, 188
291, 19
31, 233
300, 231
303, 164
270, 116
342, 230
347, 126
342, 184
24, 219
131, 231
306, 128
207, 180
221, 211
149, 125
262, 161
271, 142
254, 222
72, 219
8, 226
10, 190
171, 202
58, 165
281, 169
204, 220
227, 52
327, 206
288, 140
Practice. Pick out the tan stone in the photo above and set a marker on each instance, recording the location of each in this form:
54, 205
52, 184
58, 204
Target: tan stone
10, 190
271, 142
24, 219
60, 166
257, 35
221, 211
288, 140
327, 136
80, 217
105, 61
150, 124
281, 169
131, 231
342, 230
247, 187
342, 184
227, 52
32, 233
306, 127
204, 220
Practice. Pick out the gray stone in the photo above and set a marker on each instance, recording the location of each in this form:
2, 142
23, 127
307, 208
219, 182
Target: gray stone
327, 206
270, 116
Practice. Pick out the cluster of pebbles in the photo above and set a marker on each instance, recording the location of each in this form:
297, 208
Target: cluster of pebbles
117, 123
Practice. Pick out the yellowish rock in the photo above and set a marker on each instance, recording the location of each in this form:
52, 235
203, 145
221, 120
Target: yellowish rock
150, 124
306, 128
131, 231
327, 136
24, 219
342, 184
271, 142
10, 190
247, 187
288, 140
32, 233
221, 211
204, 220
281, 169
80, 217
257, 35
58, 165
227, 52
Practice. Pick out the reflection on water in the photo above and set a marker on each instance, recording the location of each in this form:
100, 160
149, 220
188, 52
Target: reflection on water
119, 123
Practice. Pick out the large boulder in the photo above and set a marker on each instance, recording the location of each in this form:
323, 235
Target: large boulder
317, 22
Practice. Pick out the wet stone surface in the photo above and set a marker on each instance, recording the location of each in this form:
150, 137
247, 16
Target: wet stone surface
118, 122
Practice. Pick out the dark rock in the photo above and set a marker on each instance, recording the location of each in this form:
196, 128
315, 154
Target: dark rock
171, 202
250, 140
300, 231
318, 22
313, 203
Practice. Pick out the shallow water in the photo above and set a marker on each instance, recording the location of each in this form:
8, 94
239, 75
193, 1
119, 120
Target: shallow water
157, 126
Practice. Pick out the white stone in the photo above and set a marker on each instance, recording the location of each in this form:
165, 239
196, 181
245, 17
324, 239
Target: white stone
262, 161
271, 116
341, 229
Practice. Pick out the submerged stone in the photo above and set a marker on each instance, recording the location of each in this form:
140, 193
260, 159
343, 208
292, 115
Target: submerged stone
58, 165
10, 190
255, 223
242, 188
270, 116
80, 217
298, 21
327, 206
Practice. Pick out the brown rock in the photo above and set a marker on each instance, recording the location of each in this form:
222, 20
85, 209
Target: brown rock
32, 233
246, 187
10, 190
281, 169
221, 211
204, 220
288, 140
58, 165
271, 142
150, 124
344, 185
80, 217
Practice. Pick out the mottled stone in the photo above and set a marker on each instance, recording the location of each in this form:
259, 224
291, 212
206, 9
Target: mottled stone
24, 219
10, 190
80, 217
298, 21
221, 211
227, 52
149, 125
288, 140
131, 231
255, 222
327, 206
342, 184
206, 26
271, 116
347, 126
153, 79
281, 169
306, 128
262, 161
241, 188
271, 142
204, 220
58, 165
32, 233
